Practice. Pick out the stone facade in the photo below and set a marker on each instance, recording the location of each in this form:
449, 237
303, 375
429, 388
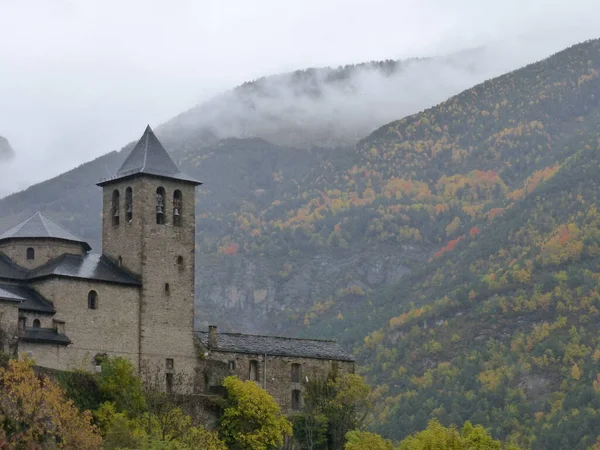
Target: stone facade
44, 251
106, 329
276, 374
162, 256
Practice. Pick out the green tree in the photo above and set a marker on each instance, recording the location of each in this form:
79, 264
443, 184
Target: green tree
332, 407
439, 437
120, 384
362, 440
252, 418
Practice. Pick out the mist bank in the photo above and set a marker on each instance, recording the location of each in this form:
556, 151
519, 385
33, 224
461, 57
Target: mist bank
338, 106
6, 151
325, 107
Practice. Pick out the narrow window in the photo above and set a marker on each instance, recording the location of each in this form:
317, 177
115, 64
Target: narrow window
253, 370
180, 262
22, 323
30, 254
129, 204
160, 206
167, 288
296, 399
115, 208
169, 379
206, 383
296, 373
93, 300
36, 323
170, 364
232, 365
177, 204
120, 261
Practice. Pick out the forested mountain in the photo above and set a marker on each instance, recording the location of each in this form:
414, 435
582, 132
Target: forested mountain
500, 327
456, 249
6, 150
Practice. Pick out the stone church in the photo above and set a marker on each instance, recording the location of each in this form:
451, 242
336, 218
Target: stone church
66, 307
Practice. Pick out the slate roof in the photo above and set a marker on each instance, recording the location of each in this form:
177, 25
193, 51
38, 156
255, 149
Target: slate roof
276, 346
149, 157
39, 226
90, 266
44, 336
10, 270
27, 298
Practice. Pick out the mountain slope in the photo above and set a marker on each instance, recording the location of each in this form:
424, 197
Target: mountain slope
500, 326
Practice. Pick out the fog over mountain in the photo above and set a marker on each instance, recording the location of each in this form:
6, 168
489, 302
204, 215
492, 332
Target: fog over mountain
6, 151
93, 76
316, 107
338, 106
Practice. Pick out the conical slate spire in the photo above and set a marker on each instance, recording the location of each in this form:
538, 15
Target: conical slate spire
149, 157
39, 226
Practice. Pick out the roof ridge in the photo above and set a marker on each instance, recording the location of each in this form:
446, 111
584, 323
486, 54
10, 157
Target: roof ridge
146, 133
43, 220
273, 337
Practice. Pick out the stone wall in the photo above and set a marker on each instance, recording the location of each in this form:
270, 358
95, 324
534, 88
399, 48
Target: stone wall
45, 250
152, 251
9, 313
111, 329
274, 372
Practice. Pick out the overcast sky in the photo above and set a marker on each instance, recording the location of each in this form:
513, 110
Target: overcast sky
79, 78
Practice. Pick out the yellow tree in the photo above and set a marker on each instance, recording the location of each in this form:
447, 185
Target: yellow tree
35, 413
360, 440
252, 418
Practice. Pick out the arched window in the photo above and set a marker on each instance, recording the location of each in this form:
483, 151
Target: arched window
30, 254
115, 212
177, 208
36, 323
129, 203
180, 262
160, 206
93, 300
167, 288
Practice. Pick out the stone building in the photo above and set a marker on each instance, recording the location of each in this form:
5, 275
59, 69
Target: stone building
67, 308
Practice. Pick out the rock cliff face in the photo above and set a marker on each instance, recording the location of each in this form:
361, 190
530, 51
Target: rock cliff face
6, 151
259, 294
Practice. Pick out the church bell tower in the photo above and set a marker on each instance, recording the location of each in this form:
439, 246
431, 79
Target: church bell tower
148, 228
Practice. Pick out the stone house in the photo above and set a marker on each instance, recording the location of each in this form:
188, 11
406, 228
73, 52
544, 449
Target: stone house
67, 307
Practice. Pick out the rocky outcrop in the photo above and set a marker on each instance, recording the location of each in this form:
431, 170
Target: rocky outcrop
260, 295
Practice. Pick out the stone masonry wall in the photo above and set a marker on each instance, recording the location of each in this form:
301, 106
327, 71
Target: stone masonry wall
151, 251
125, 239
111, 329
275, 377
45, 250
9, 313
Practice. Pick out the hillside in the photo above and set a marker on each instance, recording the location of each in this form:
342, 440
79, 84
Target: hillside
6, 150
500, 326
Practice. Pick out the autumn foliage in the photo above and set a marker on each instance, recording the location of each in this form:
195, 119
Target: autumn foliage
34, 413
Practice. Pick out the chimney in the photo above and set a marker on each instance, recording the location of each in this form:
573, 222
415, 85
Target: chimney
59, 326
213, 337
